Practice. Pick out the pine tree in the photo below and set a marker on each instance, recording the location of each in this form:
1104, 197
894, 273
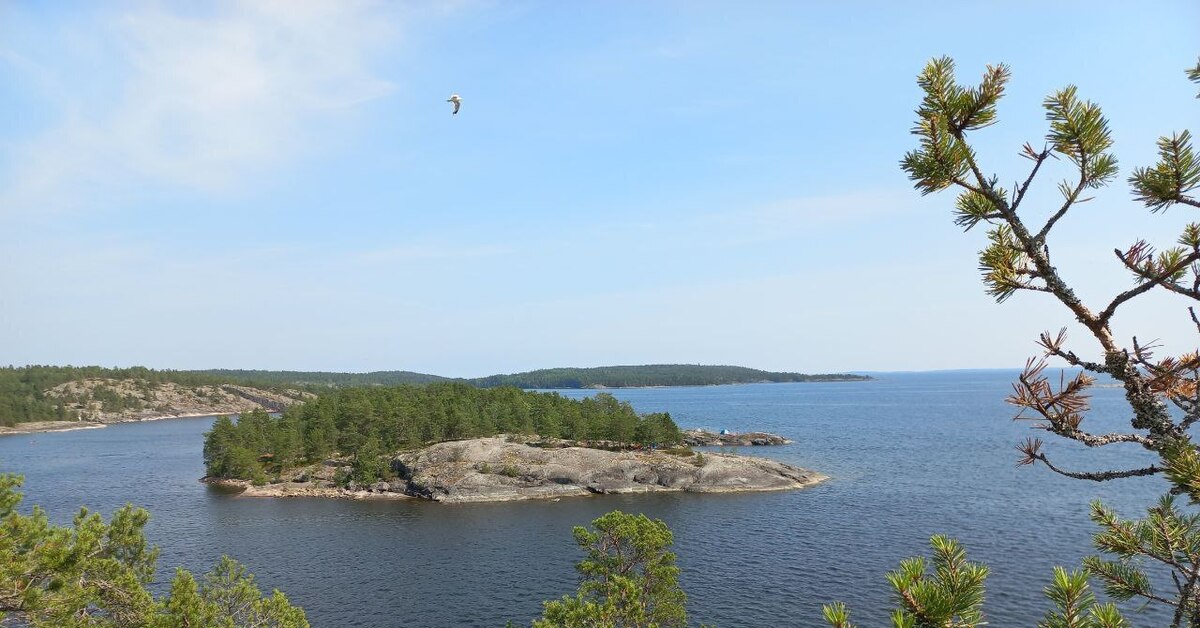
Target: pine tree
629, 578
218, 444
94, 573
369, 465
1016, 258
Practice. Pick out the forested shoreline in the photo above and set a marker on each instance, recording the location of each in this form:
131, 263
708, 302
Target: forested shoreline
367, 423
321, 379
551, 378
653, 375
27, 395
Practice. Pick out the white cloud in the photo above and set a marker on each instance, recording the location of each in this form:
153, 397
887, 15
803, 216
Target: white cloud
202, 101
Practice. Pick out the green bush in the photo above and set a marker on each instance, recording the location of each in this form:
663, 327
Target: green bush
629, 578
96, 573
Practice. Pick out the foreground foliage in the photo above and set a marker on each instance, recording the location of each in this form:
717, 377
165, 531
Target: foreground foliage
1017, 258
952, 595
368, 422
94, 573
629, 578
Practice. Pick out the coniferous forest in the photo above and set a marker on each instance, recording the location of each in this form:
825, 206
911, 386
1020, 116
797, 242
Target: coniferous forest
24, 398
368, 422
595, 377
653, 375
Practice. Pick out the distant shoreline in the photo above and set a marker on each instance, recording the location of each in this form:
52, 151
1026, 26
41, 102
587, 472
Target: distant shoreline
822, 381
847, 380
42, 427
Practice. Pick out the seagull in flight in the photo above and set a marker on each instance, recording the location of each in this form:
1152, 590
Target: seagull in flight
457, 100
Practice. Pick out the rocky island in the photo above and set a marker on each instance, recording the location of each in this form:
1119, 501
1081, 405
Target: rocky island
705, 438
508, 468
451, 442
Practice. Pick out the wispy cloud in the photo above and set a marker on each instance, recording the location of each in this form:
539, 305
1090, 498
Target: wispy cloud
201, 99
805, 217
846, 208
778, 220
430, 251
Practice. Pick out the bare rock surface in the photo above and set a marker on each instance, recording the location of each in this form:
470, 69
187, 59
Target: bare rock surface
495, 469
304, 489
33, 427
148, 400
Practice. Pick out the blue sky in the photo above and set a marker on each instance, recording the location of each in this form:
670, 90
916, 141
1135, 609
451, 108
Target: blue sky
281, 184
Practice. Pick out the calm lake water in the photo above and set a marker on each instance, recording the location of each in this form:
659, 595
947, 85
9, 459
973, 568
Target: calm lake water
910, 454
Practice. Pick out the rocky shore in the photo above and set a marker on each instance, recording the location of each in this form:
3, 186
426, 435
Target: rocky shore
34, 427
153, 402
705, 438
145, 400
499, 469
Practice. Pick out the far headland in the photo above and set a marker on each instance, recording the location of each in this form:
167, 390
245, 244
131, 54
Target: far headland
59, 398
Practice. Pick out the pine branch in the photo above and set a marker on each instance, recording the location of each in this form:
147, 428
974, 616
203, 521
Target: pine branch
1192, 413
1053, 347
1100, 440
1170, 181
1138, 259
1032, 453
1121, 582
1120, 299
1193, 74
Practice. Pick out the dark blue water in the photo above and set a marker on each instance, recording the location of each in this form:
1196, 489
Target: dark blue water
910, 455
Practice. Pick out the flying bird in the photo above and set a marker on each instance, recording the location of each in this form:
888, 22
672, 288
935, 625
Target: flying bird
457, 100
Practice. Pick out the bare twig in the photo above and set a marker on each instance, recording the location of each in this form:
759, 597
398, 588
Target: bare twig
1067, 203
1038, 158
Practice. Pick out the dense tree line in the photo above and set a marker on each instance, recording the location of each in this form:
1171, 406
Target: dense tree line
652, 375
23, 389
368, 422
312, 379
604, 376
